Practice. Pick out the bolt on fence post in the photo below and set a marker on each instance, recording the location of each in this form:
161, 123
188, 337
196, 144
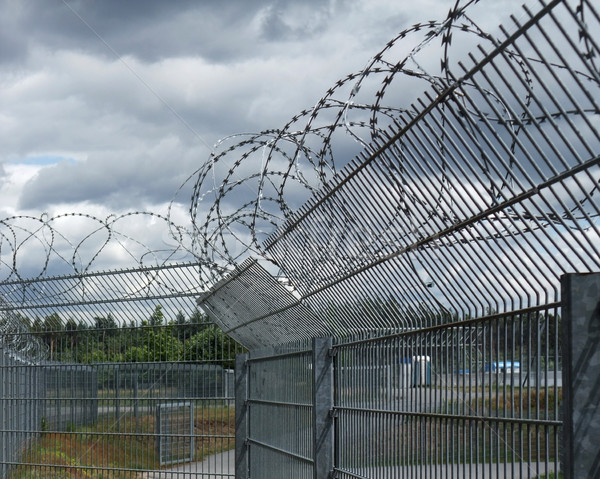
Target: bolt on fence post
581, 375
241, 416
322, 406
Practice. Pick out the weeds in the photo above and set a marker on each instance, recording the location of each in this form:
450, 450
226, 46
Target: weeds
117, 449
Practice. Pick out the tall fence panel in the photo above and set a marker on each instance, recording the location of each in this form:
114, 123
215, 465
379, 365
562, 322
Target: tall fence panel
433, 261
95, 365
280, 411
21, 385
480, 398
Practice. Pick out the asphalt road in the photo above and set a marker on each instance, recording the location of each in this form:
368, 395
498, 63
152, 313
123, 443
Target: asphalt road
218, 466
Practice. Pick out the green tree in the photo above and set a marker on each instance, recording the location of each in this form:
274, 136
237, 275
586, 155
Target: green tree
106, 325
71, 333
137, 354
107, 332
157, 318
25, 320
159, 344
211, 344
94, 356
187, 327
38, 325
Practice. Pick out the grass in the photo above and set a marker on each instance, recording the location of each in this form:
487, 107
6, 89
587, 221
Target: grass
115, 450
466, 431
422, 441
519, 402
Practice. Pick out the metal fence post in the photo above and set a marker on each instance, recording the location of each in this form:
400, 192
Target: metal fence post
241, 417
3, 428
581, 356
322, 407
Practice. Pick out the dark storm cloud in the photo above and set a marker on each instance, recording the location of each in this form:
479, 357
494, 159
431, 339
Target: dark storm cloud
284, 22
136, 93
150, 30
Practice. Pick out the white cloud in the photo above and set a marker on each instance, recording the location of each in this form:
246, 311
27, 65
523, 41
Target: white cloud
134, 96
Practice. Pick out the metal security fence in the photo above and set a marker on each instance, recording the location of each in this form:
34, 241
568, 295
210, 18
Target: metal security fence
19, 418
36, 398
117, 354
432, 263
280, 399
477, 398
407, 315
425, 402
68, 397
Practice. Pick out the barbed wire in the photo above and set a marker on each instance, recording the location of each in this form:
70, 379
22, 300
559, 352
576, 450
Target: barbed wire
74, 243
235, 205
253, 182
16, 339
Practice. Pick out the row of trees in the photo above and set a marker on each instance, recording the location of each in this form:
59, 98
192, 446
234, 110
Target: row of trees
196, 338
192, 338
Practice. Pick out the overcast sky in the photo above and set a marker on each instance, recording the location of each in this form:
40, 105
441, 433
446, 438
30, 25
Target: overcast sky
107, 106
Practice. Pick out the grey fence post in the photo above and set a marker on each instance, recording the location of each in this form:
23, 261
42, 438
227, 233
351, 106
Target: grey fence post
241, 417
322, 407
581, 375
3, 428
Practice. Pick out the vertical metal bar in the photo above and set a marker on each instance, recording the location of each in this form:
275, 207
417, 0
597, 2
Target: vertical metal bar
117, 400
136, 407
322, 407
242, 452
581, 396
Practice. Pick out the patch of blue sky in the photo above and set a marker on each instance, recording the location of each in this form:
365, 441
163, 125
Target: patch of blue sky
45, 160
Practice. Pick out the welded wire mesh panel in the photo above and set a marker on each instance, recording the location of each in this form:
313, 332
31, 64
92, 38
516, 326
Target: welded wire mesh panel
91, 295
433, 260
20, 382
478, 199
251, 292
115, 354
69, 397
479, 400
280, 400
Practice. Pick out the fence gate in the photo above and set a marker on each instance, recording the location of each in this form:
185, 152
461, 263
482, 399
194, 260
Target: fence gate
175, 430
